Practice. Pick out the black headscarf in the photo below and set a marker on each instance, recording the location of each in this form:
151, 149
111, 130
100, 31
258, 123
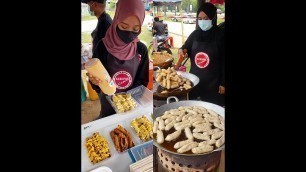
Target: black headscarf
210, 10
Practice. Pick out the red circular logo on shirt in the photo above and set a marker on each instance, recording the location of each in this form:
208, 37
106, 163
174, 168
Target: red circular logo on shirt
122, 79
201, 60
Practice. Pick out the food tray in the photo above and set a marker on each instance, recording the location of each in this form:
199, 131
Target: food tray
110, 100
141, 95
105, 130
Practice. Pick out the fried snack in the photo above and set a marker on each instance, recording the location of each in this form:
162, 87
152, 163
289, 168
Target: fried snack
97, 148
169, 79
187, 147
220, 142
124, 102
143, 128
173, 135
160, 58
160, 137
202, 149
182, 143
122, 139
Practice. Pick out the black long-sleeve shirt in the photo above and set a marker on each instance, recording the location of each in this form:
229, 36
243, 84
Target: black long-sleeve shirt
104, 22
198, 35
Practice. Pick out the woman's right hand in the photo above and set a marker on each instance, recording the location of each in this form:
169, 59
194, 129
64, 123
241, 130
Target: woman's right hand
94, 80
181, 53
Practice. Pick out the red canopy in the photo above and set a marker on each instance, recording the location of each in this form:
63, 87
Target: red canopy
217, 2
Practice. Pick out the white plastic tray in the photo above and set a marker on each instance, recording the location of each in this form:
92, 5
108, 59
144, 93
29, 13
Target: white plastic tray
141, 95
118, 161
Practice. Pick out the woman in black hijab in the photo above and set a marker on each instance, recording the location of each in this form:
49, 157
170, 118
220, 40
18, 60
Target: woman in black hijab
205, 47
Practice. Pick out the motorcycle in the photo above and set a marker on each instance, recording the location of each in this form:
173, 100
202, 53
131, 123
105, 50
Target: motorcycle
160, 43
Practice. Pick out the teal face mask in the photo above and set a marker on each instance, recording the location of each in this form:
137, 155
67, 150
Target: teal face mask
205, 24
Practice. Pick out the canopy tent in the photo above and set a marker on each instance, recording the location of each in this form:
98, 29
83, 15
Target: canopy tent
166, 2
221, 2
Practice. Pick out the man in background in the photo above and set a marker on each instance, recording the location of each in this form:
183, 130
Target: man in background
97, 8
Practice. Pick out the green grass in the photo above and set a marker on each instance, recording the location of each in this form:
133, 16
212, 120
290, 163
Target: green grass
88, 17
145, 35
86, 37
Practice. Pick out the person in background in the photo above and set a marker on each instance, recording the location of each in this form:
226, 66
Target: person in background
97, 8
126, 59
158, 27
205, 48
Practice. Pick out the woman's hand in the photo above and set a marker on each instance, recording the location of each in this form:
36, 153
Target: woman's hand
181, 53
93, 79
221, 90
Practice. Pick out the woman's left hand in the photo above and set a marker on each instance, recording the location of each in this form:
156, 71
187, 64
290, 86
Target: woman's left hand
221, 90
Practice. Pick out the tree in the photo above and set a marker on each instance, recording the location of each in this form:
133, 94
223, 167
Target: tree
186, 5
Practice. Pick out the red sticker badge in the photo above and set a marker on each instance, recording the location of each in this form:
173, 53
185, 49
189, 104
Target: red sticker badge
201, 60
122, 79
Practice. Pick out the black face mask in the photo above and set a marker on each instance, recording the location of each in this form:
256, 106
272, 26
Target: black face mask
126, 36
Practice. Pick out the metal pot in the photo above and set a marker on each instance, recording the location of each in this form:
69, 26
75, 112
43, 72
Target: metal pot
162, 109
173, 161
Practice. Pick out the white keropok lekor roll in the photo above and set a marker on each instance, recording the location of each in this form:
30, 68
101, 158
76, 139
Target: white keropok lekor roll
221, 141
181, 127
173, 135
219, 125
187, 147
181, 123
160, 137
212, 112
188, 133
185, 118
217, 135
182, 143
211, 132
201, 136
161, 124
191, 111
179, 118
167, 112
168, 120
167, 116
207, 142
213, 119
157, 119
201, 129
195, 116
203, 121
175, 112
170, 125
155, 126
203, 125
202, 149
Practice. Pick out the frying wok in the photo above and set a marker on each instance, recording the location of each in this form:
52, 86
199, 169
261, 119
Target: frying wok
162, 109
